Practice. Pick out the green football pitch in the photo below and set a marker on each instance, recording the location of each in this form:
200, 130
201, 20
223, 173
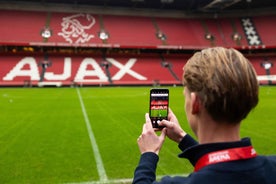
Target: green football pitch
88, 135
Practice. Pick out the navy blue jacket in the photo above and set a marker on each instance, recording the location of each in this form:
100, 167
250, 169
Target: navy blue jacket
258, 170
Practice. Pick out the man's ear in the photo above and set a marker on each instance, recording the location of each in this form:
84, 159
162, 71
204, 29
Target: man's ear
195, 103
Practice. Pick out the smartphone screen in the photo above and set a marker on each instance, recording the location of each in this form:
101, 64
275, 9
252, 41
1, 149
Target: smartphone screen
159, 105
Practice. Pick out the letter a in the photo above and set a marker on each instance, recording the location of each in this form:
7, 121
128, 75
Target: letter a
83, 72
18, 70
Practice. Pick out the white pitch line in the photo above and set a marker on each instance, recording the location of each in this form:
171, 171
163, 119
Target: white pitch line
115, 181
98, 159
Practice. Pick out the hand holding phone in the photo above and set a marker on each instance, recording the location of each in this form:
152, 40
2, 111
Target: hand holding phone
159, 106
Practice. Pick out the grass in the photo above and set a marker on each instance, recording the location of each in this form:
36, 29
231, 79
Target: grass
44, 138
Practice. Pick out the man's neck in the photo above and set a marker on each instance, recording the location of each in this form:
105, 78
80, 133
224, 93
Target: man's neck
211, 132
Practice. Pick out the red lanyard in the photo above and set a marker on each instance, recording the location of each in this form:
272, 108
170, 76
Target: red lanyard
225, 156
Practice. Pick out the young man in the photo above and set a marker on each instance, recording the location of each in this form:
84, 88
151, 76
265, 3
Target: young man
220, 89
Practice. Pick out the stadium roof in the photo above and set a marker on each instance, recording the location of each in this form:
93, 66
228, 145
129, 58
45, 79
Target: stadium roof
156, 7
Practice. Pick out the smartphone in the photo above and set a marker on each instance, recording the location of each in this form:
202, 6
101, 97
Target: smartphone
159, 106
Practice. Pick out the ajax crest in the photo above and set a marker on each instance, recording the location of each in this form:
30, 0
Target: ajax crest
75, 27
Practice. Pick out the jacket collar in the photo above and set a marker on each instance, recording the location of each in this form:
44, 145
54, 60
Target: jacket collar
193, 153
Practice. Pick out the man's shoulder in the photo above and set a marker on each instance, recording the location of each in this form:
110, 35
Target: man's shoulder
271, 158
268, 164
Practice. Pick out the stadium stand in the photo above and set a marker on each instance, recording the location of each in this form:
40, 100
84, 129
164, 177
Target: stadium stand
88, 70
265, 68
126, 31
131, 31
228, 28
139, 70
21, 27
80, 30
266, 27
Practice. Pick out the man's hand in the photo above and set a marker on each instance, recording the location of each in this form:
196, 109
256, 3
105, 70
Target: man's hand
149, 141
173, 129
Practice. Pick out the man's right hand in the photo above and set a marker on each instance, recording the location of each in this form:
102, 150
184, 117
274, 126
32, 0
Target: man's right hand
173, 129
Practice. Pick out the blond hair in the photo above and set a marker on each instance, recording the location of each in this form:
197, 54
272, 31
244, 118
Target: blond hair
225, 81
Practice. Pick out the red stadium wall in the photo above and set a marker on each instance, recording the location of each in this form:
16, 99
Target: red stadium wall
77, 29
131, 70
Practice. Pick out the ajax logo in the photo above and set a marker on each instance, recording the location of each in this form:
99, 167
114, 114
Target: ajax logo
74, 28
